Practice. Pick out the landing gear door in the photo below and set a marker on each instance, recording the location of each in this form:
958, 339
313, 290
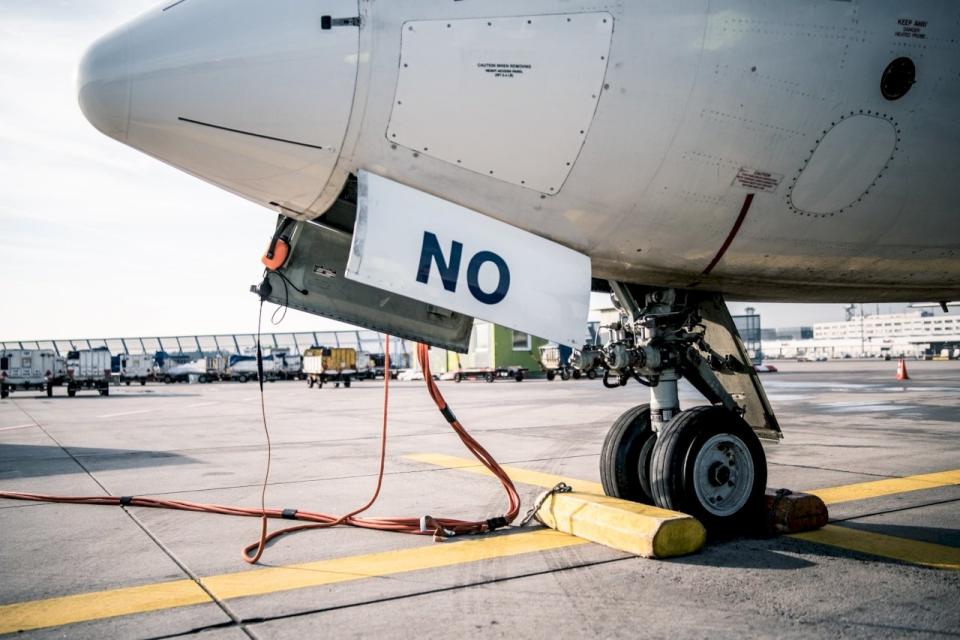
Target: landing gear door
744, 386
312, 280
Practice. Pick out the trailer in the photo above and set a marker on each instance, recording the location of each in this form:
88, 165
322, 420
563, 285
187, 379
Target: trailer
135, 367
366, 366
398, 362
26, 369
329, 364
491, 374
554, 361
286, 365
89, 369
243, 368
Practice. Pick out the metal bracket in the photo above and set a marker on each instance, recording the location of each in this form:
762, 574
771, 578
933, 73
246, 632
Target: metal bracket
627, 301
328, 22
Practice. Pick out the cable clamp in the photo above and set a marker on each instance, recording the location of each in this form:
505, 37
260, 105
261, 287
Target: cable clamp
497, 523
560, 487
448, 415
289, 514
125, 500
429, 524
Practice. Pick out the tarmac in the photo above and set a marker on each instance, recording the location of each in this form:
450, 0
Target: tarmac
888, 565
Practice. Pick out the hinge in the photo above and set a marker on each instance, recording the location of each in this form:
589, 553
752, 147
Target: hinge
328, 22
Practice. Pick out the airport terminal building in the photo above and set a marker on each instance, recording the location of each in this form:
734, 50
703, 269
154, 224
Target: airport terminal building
911, 334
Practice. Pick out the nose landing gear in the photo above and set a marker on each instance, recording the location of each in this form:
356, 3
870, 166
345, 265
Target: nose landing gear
706, 461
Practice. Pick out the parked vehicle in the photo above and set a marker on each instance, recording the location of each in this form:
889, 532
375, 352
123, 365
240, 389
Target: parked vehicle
366, 366
89, 369
292, 366
491, 375
179, 367
132, 367
329, 364
243, 368
25, 369
398, 362
555, 361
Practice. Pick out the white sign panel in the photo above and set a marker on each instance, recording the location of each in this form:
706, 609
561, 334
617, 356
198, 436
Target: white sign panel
420, 246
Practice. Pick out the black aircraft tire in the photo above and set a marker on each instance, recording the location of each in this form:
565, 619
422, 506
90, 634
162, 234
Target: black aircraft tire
564, 375
630, 440
592, 374
551, 375
489, 377
709, 463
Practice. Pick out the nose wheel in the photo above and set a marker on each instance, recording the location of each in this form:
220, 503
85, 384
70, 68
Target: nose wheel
706, 462
709, 463
625, 457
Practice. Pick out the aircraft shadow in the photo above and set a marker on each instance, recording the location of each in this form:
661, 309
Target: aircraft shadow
33, 461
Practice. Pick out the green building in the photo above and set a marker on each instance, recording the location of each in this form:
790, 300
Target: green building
493, 347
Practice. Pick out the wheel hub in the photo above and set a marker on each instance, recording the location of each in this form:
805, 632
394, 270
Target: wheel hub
723, 474
719, 474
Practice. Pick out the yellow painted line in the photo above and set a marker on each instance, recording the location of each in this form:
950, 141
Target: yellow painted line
878, 488
921, 553
523, 476
830, 495
84, 607
912, 551
55, 612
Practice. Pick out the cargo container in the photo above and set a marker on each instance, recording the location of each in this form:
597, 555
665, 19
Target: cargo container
329, 364
88, 369
25, 369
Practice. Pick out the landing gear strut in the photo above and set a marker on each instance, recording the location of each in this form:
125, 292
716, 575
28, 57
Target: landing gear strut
706, 461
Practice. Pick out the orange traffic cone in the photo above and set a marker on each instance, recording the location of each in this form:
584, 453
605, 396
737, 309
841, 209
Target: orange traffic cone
902, 370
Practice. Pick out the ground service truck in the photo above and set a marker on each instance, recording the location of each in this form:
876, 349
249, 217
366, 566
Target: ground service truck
25, 369
329, 364
88, 369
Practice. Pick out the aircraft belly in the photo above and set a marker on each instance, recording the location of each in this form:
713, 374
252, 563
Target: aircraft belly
748, 150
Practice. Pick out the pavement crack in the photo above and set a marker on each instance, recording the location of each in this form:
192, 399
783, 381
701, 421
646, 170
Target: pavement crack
235, 619
427, 592
895, 510
816, 468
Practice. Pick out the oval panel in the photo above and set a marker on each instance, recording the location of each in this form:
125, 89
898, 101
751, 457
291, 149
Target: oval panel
845, 165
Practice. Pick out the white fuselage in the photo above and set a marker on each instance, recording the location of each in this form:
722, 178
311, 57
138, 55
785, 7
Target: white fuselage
739, 146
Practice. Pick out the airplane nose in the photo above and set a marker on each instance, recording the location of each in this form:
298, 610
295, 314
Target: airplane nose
103, 86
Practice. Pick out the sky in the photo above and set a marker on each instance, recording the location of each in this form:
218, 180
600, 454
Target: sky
99, 240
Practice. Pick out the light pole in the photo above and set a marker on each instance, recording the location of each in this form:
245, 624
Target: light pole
862, 350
